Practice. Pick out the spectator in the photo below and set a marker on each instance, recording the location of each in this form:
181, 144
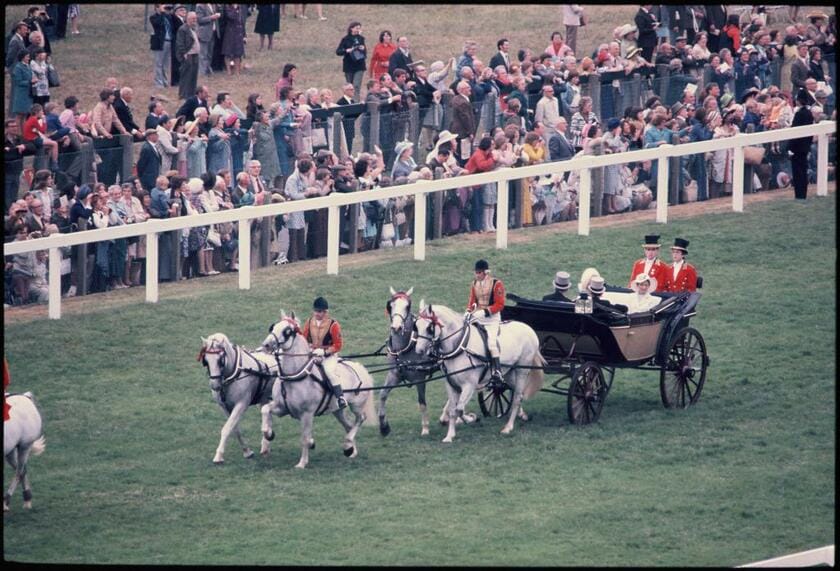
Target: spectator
22, 85
160, 44
573, 18
207, 18
150, 161
40, 85
233, 37
218, 145
268, 23
299, 186
166, 146
14, 149
801, 147
238, 143
265, 147
585, 116
287, 79
801, 68
123, 111
35, 132
720, 180
463, 122
647, 25
381, 55
17, 44
106, 124
186, 52
401, 58
557, 49
353, 52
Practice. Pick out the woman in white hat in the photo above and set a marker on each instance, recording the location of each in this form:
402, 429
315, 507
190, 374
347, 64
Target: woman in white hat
404, 163
643, 300
445, 138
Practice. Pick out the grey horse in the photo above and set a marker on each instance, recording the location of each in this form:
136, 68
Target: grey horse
301, 392
22, 436
238, 379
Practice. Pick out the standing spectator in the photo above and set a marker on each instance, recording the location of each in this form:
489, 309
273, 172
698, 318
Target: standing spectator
268, 23
559, 147
468, 57
105, 122
238, 142
218, 146
123, 111
614, 143
557, 49
226, 107
208, 28
381, 55
17, 44
148, 165
720, 181
647, 24
353, 51
38, 20
502, 56
548, 111
816, 66
265, 147
14, 149
463, 122
299, 186
287, 79
401, 58
715, 21
801, 68
177, 19
197, 133
482, 160
74, 11
800, 148
700, 131
573, 18
349, 98
167, 147
201, 98
22, 82
584, 116
186, 51
160, 207
233, 37
40, 87
731, 36
160, 43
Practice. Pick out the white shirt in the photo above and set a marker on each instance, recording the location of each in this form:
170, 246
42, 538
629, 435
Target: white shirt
677, 267
649, 265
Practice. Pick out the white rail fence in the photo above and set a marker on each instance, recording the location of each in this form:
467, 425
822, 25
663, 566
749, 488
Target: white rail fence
812, 558
333, 202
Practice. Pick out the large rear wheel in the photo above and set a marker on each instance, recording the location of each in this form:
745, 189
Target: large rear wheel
684, 372
587, 393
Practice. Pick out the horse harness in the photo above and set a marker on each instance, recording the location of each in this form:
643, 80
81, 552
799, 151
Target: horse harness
263, 372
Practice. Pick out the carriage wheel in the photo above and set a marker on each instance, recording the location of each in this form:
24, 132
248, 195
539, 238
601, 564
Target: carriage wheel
683, 374
587, 393
495, 400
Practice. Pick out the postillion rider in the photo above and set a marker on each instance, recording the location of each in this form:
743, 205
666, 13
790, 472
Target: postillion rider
324, 336
487, 298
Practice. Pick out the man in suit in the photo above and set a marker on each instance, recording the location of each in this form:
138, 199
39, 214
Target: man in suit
207, 29
681, 275
200, 99
799, 148
646, 23
16, 45
256, 181
559, 147
14, 149
562, 283
714, 22
156, 111
177, 19
501, 57
463, 122
349, 92
186, 51
801, 68
124, 112
651, 265
148, 165
160, 42
548, 110
401, 58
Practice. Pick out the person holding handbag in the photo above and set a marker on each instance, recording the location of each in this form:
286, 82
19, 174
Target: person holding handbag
353, 51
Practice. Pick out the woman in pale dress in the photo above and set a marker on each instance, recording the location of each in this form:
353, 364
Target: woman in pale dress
168, 151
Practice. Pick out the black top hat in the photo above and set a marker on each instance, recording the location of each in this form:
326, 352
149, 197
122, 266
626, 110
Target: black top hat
651, 240
320, 304
804, 97
482, 266
680, 244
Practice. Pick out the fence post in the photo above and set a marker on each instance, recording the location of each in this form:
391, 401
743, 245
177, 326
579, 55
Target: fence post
80, 263
352, 225
738, 179
663, 75
662, 188
175, 237
595, 90
127, 143
437, 208
414, 131
266, 226
597, 183
245, 254
584, 201
502, 192
332, 240
749, 170
674, 181
373, 131
86, 173
55, 284
636, 91
822, 164
420, 226
339, 142
152, 267
446, 103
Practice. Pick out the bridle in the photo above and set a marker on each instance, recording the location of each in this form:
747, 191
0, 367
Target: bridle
436, 341
407, 322
396, 296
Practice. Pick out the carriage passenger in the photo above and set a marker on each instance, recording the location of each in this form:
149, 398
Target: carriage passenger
487, 298
597, 288
651, 265
562, 283
643, 300
682, 276
324, 336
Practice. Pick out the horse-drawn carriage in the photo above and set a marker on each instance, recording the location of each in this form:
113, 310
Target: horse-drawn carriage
585, 349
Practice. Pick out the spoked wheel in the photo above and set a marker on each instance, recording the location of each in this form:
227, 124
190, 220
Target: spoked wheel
587, 393
683, 374
495, 400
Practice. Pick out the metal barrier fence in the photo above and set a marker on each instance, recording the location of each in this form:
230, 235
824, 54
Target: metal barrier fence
586, 166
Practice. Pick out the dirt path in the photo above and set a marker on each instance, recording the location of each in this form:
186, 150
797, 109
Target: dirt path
225, 282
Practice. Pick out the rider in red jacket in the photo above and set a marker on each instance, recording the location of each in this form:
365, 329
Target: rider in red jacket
487, 298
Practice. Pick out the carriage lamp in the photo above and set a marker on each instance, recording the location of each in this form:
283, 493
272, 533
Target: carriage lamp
583, 304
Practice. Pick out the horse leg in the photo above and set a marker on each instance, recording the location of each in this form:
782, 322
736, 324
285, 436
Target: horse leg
231, 423
467, 393
247, 452
390, 381
12, 459
267, 431
305, 438
514, 409
350, 429
452, 417
424, 413
23, 477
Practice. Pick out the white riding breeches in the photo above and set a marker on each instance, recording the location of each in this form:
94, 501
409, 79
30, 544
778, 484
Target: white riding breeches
491, 324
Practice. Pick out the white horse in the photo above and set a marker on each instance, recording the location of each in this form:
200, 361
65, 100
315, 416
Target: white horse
302, 392
406, 365
459, 346
22, 436
238, 379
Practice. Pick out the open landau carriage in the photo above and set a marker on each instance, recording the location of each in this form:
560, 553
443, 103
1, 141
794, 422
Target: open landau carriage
585, 349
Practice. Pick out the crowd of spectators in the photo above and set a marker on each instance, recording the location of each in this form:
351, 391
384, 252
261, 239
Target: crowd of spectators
208, 154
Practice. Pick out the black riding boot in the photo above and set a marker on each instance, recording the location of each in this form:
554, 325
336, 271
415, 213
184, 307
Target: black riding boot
338, 393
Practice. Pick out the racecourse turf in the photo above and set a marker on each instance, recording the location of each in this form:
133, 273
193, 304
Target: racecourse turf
746, 474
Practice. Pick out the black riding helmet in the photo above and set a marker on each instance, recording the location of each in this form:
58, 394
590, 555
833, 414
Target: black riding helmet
320, 304
482, 266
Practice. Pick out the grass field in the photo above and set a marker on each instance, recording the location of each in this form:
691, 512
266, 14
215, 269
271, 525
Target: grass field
113, 43
746, 474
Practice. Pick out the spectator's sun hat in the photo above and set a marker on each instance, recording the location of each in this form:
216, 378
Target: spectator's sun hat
562, 281
816, 15
627, 29
83, 192
401, 147
820, 94
231, 120
642, 278
445, 136
680, 244
676, 108
725, 100
633, 52
196, 186
596, 285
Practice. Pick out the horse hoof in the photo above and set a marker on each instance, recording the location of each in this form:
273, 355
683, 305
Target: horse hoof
264, 453
5, 508
218, 462
385, 429
300, 466
469, 418
268, 435
506, 431
447, 440
350, 451
312, 445
27, 505
248, 454
424, 432
443, 421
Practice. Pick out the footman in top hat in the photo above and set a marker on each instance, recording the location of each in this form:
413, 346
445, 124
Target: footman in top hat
682, 276
651, 265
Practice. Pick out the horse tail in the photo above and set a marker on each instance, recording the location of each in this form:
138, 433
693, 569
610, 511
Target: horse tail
368, 408
536, 377
39, 446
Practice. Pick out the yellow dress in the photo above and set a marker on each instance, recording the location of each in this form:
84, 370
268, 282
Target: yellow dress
535, 155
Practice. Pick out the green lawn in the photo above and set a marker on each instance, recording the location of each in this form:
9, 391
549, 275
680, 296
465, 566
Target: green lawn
746, 474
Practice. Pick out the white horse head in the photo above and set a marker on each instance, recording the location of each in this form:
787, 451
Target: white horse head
433, 324
214, 355
281, 334
398, 308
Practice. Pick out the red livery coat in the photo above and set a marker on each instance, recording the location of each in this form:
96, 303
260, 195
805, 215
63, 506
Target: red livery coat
659, 270
497, 297
686, 279
332, 341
